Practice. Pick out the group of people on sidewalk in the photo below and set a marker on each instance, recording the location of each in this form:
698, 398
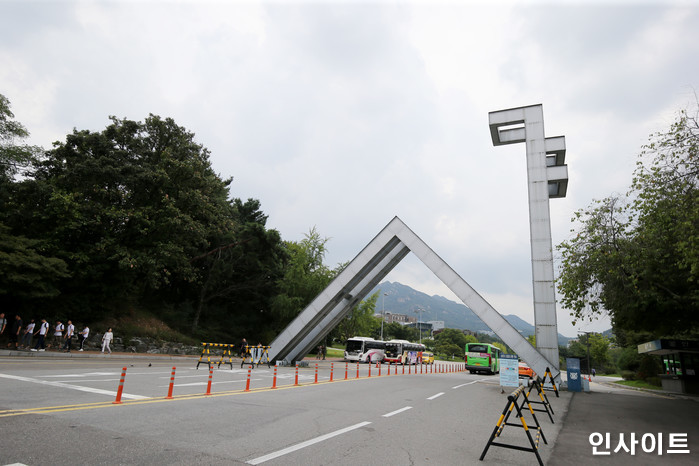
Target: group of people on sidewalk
20, 336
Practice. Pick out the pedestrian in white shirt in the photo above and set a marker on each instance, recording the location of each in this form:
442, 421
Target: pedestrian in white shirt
106, 340
83, 336
70, 331
58, 334
42, 332
28, 334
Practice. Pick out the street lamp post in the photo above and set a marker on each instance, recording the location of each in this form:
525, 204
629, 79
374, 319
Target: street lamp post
587, 343
383, 312
419, 325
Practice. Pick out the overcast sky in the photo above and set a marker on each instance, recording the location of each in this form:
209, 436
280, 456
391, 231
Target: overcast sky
342, 115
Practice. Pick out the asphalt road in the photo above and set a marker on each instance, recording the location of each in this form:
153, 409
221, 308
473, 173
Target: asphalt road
61, 411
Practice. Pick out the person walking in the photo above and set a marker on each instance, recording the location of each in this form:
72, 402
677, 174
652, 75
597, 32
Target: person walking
83, 336
58, 334
14, 333
26, 342
106, 340
3, 324
42, 332
70, 331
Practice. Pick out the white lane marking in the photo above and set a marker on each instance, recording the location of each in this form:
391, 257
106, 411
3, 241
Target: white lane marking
97, 374
436, 396
307, 443
397, 411
88, 380
193, 384
178, 376
470, 383
72, 387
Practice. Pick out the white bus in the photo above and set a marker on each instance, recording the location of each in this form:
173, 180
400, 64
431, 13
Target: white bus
364, 349
403, 352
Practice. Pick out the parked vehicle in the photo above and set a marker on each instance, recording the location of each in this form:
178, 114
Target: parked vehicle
525, 370
365, 349
398, 351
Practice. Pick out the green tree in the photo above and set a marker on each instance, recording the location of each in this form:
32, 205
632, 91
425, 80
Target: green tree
127, 209
243, 270
14, 155
304, 277
451, 342
396, 331
470, 339
636, 258
360, 321
28, 272
599, 352
451, 335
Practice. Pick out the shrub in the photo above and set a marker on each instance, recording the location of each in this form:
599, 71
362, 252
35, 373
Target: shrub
654, 381
649, 367
628, 375
629, 359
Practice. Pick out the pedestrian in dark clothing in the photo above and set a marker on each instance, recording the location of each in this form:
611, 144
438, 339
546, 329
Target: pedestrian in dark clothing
14, 333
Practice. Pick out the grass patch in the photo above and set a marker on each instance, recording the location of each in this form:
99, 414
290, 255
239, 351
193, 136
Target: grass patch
638, 384
134, 323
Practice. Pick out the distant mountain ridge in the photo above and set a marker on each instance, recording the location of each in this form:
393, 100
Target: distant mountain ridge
397, 298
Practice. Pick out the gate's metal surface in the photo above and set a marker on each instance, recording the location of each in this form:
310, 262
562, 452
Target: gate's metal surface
547, 177
366, 271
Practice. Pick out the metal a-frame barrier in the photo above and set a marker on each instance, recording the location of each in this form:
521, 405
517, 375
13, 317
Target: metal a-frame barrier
365, 272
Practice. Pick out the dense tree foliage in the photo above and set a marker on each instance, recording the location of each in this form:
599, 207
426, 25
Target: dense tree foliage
14, 155
597, 346
132, 217
29, 273
360, 321
304, 277
451, 342
636, 257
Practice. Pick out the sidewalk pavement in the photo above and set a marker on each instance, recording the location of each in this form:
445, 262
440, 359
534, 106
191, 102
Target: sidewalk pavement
90, 354
608, 409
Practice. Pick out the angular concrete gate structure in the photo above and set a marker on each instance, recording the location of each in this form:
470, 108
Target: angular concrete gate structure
366, 271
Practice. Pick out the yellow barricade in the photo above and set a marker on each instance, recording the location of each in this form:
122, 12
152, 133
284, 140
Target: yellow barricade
512, 404
206, 351
256, 355
548, 375
542, 396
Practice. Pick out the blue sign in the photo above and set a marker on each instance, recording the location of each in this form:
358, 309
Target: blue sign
574, 376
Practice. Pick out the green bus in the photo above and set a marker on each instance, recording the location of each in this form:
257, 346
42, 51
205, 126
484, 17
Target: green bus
482, 357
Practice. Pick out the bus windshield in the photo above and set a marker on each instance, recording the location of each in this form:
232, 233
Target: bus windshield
354, 346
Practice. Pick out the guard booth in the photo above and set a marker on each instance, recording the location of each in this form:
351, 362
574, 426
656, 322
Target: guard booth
574, 376
679, 360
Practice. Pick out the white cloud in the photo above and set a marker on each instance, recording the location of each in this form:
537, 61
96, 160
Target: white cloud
343, 115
